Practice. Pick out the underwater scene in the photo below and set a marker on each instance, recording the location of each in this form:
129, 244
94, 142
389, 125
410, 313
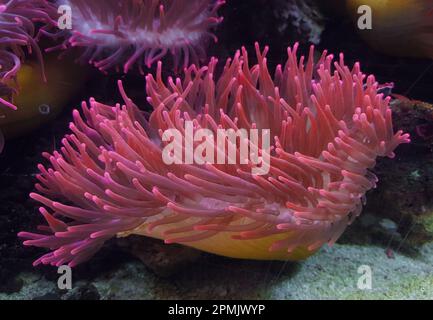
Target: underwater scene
216, 150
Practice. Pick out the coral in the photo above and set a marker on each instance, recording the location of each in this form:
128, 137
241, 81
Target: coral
121, 34
17, 32
328, 123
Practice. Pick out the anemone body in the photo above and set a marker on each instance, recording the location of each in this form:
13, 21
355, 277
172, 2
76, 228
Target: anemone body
328, 125
18, 34
122, 34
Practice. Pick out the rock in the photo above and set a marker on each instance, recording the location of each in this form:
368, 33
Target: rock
84, 292
333, 273
277, 23
399, 212
404, 193
48, 296
165, 260
11, 285
388, 225
299, 19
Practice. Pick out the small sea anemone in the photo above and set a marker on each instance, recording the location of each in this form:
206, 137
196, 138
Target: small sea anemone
328, 123
121, 34
41, 102
18, 33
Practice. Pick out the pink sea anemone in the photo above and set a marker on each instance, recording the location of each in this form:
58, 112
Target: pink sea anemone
121, 34
328, 123
18, 34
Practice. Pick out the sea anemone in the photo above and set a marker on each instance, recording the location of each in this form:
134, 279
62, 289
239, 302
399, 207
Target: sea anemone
397, 22
121, 34
328, 123
17, 33
41, 102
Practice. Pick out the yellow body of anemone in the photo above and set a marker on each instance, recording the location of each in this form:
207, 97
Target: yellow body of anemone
223, 244
400, 27
39, 102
